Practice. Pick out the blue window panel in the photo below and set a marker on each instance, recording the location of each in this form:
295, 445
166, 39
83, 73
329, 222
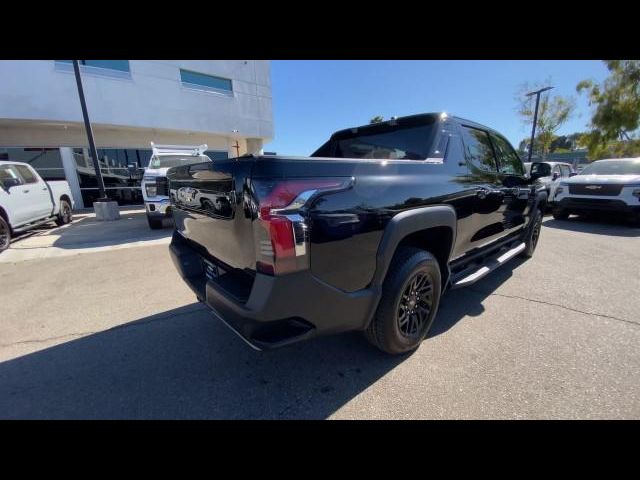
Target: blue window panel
207, 81
119, 65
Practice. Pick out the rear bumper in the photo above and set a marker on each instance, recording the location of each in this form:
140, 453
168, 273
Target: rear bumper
159, 209
581, 204
278, 310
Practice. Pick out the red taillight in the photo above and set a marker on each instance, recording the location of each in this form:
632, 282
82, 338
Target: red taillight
286, 191
279, 202
281, 233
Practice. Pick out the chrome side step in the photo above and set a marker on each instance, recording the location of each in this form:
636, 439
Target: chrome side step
29, 226
489, 265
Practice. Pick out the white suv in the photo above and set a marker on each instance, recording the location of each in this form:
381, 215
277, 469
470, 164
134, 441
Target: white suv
155, 190
605, 186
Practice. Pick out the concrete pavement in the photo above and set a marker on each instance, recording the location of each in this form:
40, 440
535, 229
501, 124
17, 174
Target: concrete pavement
86, 235
116, 334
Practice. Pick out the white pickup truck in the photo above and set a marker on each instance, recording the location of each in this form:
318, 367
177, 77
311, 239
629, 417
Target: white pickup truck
27, 201
155, 190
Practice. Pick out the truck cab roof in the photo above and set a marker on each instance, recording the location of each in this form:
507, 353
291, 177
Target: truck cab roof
11, 162
417, 119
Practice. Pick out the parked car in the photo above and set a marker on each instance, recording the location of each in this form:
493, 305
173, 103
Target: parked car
27, 201
154, 181
363, 235
604, 186
550, 174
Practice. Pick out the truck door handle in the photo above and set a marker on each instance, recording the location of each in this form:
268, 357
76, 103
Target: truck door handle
44, 188
483, 192
25, 191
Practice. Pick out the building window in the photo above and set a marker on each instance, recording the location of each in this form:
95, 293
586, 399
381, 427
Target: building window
46, 161
120, 65
201, 81
122, 171
217, 155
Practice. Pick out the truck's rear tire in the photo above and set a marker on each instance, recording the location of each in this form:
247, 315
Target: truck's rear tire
5, 235
154, 223
533, 235
409, 302
64, 216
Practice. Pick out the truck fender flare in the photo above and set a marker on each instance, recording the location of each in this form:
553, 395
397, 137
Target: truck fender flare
540, 197
406, 223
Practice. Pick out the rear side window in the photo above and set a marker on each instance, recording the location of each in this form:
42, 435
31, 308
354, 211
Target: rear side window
478, 150
566, 171
26, 174
508, 161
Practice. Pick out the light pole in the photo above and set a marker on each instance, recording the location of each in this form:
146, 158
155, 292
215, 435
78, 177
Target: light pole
535, 116
87, 126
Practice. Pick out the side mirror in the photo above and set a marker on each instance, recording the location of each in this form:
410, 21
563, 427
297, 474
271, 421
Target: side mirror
7, 183
555, 176
539, 170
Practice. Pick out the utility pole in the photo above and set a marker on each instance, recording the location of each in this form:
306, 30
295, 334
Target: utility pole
535, 116
87, 126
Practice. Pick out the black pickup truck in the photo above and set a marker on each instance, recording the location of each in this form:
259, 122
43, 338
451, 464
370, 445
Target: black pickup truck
366, 234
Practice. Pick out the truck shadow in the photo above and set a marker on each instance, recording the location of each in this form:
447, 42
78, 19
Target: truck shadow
456, 304
185, 364
90, 233
597, 224
87, 232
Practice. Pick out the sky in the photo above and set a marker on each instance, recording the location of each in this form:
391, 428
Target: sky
312, 99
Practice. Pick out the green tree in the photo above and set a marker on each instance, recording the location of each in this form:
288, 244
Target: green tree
616, 116
566, 142
522, 146
377, 119
553, 112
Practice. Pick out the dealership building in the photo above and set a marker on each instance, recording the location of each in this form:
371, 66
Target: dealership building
224, 103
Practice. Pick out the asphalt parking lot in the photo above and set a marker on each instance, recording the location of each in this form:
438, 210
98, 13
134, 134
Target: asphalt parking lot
105, 328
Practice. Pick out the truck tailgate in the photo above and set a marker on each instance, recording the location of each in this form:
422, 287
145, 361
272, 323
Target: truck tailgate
210, 210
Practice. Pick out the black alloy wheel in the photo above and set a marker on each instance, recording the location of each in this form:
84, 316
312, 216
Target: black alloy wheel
415, 305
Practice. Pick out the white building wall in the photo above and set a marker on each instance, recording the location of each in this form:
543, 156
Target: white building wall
151, 97
39, 107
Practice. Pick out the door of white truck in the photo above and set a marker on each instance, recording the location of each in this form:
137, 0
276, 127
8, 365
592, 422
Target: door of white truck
35, 193
11, 196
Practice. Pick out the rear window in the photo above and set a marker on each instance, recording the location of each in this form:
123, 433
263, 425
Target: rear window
387, 142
